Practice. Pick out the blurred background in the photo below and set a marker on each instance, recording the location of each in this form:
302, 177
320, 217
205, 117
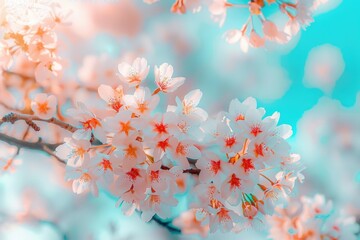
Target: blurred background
314, 82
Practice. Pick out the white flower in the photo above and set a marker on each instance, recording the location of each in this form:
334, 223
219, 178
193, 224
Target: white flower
164, 79
134, 74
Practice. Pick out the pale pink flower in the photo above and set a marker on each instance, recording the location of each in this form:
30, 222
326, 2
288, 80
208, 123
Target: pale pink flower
213, 168
233, 185
83, 180
239, 110
158, 179
48, 72
237, 35
157, 203
122, 124
103, 166
218, 9
188, 106
255, 40
113, 97
90, 125
135, 73
272, 33
132, 186
164, 80
129, 150
230, 141
182, 151
224, 219
44, 106
74, 151
141, 102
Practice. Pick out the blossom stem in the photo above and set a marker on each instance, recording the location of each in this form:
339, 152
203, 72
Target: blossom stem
267, 178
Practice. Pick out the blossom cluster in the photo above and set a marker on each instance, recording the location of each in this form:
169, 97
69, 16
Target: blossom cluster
27, 28
240, 160
311, 218
258, 28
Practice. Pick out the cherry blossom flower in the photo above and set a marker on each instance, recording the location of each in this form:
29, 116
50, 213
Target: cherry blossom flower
157, 203
130, 151
135, 73
272, 32
218, 10
44, 106
122, 124
74, 151
82, 180
235, 35
89, 123
182, 151
103, 166
164, 80
188, 106
141, 102
48, 72
113, 97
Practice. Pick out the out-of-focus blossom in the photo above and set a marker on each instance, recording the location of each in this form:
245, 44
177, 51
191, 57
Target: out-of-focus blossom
28, 27
311, 218
324, 67
189, 224
44, 106
298, 12
328, 137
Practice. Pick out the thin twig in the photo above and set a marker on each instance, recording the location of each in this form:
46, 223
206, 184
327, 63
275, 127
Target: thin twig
51, 153
14, 117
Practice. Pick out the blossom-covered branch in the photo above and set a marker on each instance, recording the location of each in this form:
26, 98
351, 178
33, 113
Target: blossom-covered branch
150, 155
258, 28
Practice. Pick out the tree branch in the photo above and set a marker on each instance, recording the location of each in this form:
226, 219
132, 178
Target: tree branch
194, 171
29, 145
166, 225
14, 117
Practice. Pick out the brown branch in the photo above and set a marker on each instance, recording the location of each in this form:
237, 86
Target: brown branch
51, 153
14, 117
29, 145
166, 225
